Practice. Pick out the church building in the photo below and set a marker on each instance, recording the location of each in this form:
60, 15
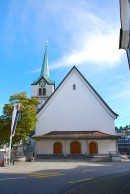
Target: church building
73, 119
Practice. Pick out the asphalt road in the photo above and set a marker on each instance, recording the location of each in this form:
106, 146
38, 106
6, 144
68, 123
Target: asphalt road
80, 178
112, 184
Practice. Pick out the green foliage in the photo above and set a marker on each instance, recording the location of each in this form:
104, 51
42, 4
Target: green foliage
123, 130
27, 119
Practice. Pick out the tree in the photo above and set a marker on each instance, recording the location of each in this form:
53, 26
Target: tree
27, 119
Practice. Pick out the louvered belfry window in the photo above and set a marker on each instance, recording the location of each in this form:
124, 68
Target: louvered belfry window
44, 91
40, 91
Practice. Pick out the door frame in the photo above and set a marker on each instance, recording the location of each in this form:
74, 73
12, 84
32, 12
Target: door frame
93, 142
54, 147
79, 147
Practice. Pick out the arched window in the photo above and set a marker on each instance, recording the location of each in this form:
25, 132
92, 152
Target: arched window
75, 147
44, 91
93, 148
57, 148
40, 92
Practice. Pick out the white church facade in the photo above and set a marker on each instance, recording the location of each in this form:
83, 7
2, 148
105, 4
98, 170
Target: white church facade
73, 119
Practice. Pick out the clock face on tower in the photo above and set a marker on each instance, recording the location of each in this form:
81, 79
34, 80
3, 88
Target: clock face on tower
42, 83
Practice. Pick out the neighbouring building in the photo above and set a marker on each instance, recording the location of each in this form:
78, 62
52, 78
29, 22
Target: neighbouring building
124, 42
73, 119
124, 144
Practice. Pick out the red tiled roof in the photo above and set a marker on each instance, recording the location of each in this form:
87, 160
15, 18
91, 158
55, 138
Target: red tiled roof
76, 135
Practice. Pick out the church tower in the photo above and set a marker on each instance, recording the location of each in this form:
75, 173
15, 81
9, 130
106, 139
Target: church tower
43, 87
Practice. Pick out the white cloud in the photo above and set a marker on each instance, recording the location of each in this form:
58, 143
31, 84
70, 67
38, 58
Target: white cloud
92, 39
81, 34
99, 49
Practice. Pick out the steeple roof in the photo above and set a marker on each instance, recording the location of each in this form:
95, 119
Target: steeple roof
44, 70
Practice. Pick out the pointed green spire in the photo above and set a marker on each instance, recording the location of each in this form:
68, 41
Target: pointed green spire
45, 69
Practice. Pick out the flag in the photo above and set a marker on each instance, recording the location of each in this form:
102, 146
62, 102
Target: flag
15, 116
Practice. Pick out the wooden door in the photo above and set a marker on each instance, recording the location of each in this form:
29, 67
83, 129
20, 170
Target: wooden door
75, 148
93, 148
57, 148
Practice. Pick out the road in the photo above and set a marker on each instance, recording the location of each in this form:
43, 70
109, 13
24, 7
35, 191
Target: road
56, 180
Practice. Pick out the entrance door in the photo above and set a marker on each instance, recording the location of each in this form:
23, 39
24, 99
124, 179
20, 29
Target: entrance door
93, 148
75, 148
57, 148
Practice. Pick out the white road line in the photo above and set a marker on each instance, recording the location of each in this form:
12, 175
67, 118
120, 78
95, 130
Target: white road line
89, 170
13, 178
120, 166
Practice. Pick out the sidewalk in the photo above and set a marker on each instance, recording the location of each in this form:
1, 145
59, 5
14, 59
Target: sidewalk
56, 164
47, 165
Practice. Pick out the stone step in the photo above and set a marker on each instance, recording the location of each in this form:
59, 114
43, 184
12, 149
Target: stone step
76, 156
70, 157
50, 156
101, 159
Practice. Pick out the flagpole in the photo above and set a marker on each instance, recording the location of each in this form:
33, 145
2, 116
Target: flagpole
15, 116
10, 144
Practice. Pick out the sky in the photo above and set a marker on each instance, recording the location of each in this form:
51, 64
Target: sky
81, 32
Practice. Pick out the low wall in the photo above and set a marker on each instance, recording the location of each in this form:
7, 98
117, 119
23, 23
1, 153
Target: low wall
116, 158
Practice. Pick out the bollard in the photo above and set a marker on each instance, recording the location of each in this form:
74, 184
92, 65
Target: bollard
2, 163
13, 162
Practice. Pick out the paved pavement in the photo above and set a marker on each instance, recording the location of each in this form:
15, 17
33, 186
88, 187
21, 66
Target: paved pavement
112, 184
46, 165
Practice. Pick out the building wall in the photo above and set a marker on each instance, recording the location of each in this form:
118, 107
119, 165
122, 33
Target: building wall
42, 98
74, 110
105, 146
46, 146
49, 90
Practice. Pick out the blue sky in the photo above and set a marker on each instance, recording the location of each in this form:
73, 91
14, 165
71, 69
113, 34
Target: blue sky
82, 33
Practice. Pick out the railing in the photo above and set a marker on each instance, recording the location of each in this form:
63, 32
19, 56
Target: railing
22, 153
113, 153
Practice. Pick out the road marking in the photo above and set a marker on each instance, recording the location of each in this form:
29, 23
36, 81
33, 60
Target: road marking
30, 172
89, 170
20, 172
120, 166
79, 181
35, 174
49, 173
44, 175
13, 178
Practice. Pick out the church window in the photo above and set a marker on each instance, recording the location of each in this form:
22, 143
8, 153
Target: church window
74, 86
44, 91
40, 91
